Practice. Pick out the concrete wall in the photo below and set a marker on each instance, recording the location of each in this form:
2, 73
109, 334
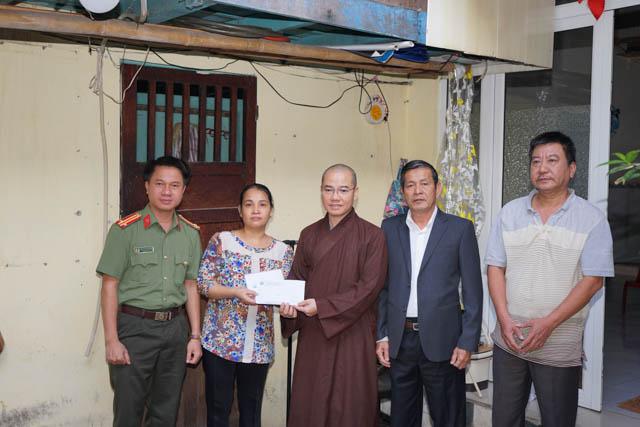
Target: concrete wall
520, 31
51, 222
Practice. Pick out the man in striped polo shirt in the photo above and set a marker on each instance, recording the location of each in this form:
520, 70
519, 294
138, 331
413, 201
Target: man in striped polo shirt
547, 255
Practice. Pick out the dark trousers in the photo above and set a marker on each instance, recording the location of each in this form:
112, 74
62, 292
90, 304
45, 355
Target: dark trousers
158, 351
443, 384
220, 376
556, 391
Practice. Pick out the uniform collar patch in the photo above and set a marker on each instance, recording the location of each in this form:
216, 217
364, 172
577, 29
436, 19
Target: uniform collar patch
147, 221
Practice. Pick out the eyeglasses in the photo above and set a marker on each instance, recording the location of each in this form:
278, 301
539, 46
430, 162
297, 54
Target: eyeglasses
342, 191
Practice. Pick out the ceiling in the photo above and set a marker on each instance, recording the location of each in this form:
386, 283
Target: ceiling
325, 23
318, 23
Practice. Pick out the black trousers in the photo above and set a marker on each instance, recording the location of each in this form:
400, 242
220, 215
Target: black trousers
443, 383
220, 376
556, 391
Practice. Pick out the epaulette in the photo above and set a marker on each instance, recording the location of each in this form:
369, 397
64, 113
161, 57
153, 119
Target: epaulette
193, 225
128, 220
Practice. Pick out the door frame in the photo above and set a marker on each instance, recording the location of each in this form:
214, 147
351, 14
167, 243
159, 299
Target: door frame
567, 17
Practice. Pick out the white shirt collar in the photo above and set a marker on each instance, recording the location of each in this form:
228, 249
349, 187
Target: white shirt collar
414, 227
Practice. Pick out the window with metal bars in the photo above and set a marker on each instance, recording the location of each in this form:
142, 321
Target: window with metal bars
208, 120
211, 130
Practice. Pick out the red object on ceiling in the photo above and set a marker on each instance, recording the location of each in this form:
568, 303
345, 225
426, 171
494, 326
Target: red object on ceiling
596, 7
277, 38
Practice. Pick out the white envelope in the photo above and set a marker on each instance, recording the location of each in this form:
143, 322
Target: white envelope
272, 289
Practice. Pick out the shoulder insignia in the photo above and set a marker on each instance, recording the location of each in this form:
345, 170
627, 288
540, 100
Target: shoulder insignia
128, 220
186, 221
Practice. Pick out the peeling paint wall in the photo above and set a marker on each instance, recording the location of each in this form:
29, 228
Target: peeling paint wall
51, 221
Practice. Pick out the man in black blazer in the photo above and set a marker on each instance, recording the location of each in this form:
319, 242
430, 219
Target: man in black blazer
424, 335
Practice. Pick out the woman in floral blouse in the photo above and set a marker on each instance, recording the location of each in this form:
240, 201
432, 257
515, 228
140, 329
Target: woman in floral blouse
237, 334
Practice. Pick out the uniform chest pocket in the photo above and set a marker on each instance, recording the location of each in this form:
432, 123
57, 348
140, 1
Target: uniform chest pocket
181, 267
142, 266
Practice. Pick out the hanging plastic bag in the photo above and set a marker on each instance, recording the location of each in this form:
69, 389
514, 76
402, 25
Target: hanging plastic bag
395, 204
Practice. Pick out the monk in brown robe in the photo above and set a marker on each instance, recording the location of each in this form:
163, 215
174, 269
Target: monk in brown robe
343, 260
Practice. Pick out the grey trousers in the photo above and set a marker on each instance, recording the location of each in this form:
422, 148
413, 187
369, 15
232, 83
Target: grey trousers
158, 351
556, 391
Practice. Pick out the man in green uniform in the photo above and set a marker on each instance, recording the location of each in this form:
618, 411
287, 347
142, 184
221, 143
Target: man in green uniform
149, 268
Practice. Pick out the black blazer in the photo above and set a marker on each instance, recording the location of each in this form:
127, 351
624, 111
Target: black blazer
451, 255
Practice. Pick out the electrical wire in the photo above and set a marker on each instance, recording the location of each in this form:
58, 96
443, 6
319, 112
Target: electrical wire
386, 119
275, 68
337, 74
362, 84
105, 181
124, 53
271, 66
96, 82
301, 104
446, 62
202, 70
360, 81
484, 73
375, 80
133, 79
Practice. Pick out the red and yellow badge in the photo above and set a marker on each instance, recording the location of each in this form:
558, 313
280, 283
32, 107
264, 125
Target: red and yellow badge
147, 221
128, 220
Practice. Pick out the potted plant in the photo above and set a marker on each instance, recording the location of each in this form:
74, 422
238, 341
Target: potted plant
625, 164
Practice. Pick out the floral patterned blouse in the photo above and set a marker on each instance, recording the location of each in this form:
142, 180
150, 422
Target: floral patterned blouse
231, 329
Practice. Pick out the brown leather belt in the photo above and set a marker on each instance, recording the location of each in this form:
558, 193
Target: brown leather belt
411, 324
161, 316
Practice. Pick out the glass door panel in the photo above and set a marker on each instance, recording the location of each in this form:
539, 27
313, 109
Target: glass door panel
549, 100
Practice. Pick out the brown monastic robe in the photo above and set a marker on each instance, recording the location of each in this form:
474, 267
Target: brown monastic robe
335, 378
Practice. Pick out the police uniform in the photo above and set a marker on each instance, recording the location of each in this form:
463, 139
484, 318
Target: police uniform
151, 266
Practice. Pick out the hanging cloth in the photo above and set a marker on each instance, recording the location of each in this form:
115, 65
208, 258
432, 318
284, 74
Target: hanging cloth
395, 200
461, 194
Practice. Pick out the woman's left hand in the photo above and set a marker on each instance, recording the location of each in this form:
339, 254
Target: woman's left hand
288, 311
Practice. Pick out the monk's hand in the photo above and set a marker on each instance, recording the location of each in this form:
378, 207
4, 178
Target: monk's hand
460, 358
194, 351
539, 332
288, 311
308, 307
382, 351
116, 353
246, 295
510, 333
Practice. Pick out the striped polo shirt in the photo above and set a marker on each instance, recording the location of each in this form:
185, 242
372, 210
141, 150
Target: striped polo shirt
543, 262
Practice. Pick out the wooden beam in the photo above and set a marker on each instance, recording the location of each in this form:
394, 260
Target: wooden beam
26, 19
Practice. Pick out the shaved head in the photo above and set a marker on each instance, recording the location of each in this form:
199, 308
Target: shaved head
341, 168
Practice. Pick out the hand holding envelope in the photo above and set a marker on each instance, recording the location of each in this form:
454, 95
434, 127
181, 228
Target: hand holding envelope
272, 289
